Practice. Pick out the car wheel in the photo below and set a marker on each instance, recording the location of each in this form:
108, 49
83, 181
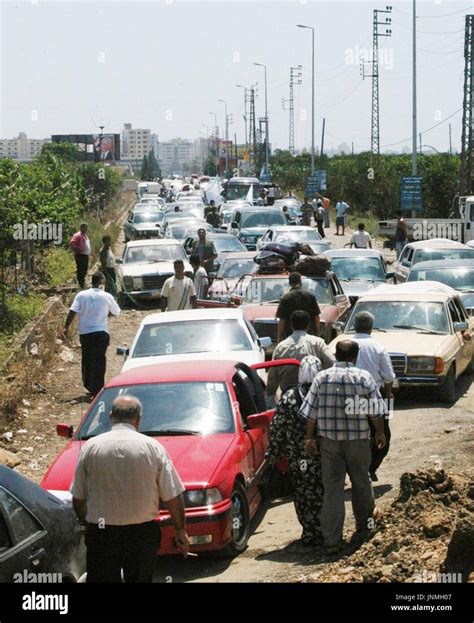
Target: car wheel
447, 391
470, 367
122, 300
240, 529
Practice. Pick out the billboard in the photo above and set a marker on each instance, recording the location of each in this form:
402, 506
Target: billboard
93, 147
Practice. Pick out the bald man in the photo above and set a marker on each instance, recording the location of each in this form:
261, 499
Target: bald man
337, 408
121, 477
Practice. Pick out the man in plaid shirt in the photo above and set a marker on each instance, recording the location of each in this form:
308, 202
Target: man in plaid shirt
337, 408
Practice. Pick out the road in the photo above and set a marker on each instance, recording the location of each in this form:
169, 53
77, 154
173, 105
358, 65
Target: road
424, 433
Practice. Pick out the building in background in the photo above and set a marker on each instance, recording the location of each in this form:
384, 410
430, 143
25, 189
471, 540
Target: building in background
178, 156
21, 147
138, 142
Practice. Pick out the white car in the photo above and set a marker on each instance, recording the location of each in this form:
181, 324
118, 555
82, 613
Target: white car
146, 265
195, 335
295, 233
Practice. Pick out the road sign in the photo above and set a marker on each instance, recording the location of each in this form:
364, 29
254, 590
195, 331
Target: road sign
411, 193
315, 183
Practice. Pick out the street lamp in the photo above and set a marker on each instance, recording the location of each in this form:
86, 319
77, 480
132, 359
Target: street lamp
216, 140
267, 170
226, 138
312, 95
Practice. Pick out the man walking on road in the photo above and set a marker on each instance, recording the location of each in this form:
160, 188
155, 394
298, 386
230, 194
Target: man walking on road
297, 299
336, 407
81, 246
400, 234
93, 306
307, 212
341, 209
205, 249
361, 239
298, 345
375, 359
178, 292
121, 477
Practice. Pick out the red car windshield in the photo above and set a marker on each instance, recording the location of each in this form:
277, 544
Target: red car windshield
194, 408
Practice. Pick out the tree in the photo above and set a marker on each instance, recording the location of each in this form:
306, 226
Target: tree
145, 169
210, 168
153, 166
68, 152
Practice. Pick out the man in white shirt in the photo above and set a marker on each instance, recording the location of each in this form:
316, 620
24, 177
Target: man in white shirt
361, 239
178, 292
93, 307
374, 359
201, 280
341, 209
121, 477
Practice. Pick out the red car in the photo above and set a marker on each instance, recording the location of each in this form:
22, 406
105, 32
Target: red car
213, 421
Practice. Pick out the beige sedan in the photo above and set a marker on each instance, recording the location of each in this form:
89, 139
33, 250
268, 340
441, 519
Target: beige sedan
426, 331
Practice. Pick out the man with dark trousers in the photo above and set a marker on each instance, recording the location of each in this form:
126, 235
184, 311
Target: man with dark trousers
93, 306
121, 477
81, 246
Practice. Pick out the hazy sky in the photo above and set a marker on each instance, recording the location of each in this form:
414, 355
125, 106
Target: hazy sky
67, 67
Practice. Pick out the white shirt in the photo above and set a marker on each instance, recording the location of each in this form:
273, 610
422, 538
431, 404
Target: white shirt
361, 239
123, 475
200, 280
178, 292
87, 246
110, 260
93, 307
374, 359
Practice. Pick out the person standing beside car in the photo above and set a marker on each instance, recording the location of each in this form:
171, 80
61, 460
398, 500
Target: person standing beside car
201, 280
361, 239
400, 234
341, 209
307, 212
107, 262
178, 291
205, 249
120, 479
374, 358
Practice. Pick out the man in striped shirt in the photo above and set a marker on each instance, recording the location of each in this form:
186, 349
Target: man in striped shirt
337, 408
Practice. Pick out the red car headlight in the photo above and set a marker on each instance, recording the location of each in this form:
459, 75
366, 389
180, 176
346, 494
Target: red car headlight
201, 497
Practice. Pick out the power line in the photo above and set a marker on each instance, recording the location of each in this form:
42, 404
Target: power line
433, 16
425, 131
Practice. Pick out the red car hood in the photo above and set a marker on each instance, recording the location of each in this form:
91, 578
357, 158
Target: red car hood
196, 459
252, 312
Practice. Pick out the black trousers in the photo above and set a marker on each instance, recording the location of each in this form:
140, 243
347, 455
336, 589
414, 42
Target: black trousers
94, 346
132, 548
320, 226
82, 265
379, 455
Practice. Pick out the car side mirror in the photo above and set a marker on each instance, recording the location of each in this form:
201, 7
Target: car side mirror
460, 326
118, 260
339, 326
234, 225
258, 421
405, 263
389, 275
122, 350
65, 430
340, 298
265, 342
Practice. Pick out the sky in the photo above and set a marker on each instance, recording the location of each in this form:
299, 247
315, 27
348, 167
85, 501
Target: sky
69, 67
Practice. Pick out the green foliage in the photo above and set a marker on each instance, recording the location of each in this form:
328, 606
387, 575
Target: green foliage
59, 265
144, 171
153, 166
349, 179
67, 152
20, 309
210, 167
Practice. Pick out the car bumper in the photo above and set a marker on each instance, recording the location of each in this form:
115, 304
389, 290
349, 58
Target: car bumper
420, 381
212, 526
144, 295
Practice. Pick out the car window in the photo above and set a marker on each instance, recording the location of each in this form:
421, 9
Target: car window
156, 253
5, 539
453, 312
461, 310
235, 268
404, 315
200, 407
187, 337
23, 524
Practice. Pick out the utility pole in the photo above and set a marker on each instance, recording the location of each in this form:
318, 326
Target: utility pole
322, 141
414, 165
466, 174
450, 143
375, 119
253, 127
267, 167
295, 78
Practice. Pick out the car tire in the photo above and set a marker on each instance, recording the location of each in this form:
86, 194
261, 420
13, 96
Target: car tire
240, 528
447, 391
122, 300
470, 367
